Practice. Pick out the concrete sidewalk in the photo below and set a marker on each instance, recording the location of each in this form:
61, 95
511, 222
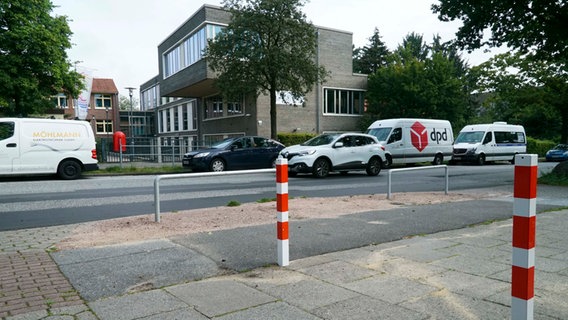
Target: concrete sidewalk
458, 274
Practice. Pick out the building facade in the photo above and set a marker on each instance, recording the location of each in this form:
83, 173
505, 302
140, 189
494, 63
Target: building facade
188, 108
103, 109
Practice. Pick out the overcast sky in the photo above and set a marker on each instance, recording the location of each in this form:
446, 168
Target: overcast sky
119, 39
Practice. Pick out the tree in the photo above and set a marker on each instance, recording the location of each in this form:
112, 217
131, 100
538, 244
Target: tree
33, 60
526, 25
412, 47
419, 83
371, 57
124, 103
268, 47
529, 92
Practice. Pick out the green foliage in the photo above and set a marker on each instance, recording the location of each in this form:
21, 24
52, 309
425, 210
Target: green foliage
553, 179
526, 91
290, 139
268, 47
370, 58
33, 58
419, 83
525, 25
535, 146
265, 200
233, 203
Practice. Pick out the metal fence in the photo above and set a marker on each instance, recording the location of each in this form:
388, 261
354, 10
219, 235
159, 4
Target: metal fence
145, 150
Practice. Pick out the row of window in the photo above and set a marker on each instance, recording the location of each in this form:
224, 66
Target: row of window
102, 101
190, 50
183, 117
216, 107
178, 118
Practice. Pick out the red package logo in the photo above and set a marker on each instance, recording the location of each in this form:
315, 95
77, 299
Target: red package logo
418, 136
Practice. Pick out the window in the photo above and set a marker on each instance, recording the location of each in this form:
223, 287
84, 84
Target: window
234, 108
103, 101
177, 118
6, 130
60, 101
215, 107
104, 126
189, 51
339, 101
504, 137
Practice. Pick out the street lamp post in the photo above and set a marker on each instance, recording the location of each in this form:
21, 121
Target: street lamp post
130, 93
130, 131
107, 140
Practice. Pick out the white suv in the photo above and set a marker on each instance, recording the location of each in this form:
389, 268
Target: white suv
340, 152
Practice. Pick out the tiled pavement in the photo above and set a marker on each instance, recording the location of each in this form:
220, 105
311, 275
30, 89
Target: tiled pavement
30, 281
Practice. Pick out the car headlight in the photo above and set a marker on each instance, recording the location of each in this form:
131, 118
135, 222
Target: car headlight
307, 152
471, 151
201, 155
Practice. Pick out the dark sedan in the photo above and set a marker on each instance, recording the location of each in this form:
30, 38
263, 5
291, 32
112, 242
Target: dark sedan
249, 152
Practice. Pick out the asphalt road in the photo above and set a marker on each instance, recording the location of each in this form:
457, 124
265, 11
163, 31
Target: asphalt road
38, 202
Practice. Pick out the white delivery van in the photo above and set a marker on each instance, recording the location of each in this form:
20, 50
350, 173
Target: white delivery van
480, 143
414, 140
45, 146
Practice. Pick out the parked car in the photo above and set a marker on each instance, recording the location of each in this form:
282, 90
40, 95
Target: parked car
341, 152
558, 153
249, 152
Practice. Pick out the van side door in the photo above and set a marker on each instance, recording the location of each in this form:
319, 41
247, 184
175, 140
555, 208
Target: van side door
396, 145
9, 148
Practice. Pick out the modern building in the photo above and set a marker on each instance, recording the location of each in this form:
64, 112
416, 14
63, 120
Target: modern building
190, 110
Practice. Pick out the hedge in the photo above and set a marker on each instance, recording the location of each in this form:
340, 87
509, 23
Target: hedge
535, 146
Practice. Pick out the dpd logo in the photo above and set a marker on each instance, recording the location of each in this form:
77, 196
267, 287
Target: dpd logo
418, 136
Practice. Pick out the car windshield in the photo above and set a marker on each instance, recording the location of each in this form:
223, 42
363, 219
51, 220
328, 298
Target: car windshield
561, 147
223, 144
470, 137
381, 133
321, 140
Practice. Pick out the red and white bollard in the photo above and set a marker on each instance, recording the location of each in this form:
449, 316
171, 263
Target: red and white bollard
282, 211
524, 234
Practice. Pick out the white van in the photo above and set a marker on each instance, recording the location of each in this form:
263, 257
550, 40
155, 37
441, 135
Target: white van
480, 143
46, 146
414, 140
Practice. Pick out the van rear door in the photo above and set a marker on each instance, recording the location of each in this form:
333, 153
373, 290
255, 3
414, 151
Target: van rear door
9, 149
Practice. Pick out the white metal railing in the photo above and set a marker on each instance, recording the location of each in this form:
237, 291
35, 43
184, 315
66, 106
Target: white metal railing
389, 181
194, 175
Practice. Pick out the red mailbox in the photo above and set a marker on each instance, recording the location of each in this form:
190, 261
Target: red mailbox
118, 139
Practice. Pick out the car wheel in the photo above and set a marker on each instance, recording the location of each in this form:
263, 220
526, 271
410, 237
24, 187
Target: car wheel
438, 160
481, 159
321, 168
374, 166
69, 170
217, 165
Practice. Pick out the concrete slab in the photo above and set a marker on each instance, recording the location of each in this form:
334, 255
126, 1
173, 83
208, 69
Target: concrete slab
135, 306
108, 271
272, 311
311, 294
338, 272
219, 296
366, 308
391, 289
448, 305
467, 284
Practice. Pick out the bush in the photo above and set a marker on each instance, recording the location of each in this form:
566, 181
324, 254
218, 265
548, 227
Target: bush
290, 139
535, 146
